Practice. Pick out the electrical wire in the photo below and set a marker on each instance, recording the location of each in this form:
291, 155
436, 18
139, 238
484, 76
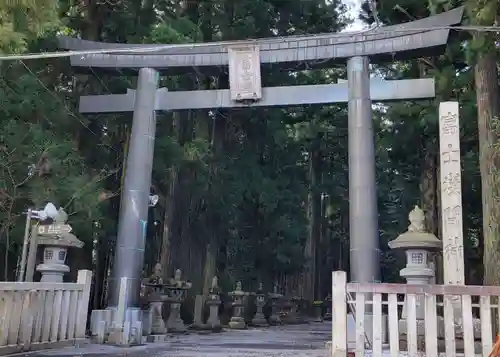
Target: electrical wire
155, 48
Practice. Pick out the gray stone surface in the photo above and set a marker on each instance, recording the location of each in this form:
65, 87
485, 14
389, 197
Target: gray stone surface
297, 341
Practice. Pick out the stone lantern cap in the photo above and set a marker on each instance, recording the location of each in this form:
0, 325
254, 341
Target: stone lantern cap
62, 240
416, 237
58, 233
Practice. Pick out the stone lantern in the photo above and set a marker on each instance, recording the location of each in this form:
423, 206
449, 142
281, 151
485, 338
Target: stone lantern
237, 321
418, 246
56, 239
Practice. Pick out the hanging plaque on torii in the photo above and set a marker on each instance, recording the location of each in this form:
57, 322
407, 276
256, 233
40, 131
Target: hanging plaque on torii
244, 73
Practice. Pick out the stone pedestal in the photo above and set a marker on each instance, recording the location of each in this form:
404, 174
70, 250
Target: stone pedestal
237, 321
198, 324
174, 322
118, 325
291, 315
213, 313
328, 303
147, 322
125, 330
275, 298
260, 300
286, 308
418, 244
157, 323
177, 291
318, 311
152, 291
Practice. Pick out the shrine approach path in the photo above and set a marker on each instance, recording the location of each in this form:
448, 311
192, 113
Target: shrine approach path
307, 340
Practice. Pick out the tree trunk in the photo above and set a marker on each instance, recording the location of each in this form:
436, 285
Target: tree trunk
165, 252
314, 212
213, 223
487, 115
429, 193
173, 254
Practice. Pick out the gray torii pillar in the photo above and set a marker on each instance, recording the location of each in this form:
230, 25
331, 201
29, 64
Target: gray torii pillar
363, 217
133, 217
358, 91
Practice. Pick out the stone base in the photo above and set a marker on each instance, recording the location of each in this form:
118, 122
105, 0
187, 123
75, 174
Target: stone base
214, 324
104, 329
100, 322
237, 323
176, 326
123, 336
158, 329
178, 329
200, 327
292, 320
275, 320
289, 320
260, 321
216, 328
156, 338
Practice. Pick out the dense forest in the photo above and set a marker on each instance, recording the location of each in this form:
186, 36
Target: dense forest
249, 194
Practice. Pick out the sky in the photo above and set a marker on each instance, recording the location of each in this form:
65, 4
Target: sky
354, 6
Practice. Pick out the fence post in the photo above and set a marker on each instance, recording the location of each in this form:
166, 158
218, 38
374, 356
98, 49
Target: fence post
339, 314
84, 278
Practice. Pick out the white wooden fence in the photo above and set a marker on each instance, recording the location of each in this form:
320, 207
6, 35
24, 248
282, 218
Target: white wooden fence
459, 338
34, 316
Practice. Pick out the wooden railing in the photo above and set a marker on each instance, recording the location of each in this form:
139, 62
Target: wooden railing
464, 312
43, 315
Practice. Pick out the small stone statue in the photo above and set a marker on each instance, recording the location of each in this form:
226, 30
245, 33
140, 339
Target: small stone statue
417, 220
215, 285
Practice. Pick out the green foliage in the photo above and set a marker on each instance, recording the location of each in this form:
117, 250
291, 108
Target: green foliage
242, 176
24, 20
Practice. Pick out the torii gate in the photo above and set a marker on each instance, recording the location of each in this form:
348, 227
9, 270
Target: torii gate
414, 39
